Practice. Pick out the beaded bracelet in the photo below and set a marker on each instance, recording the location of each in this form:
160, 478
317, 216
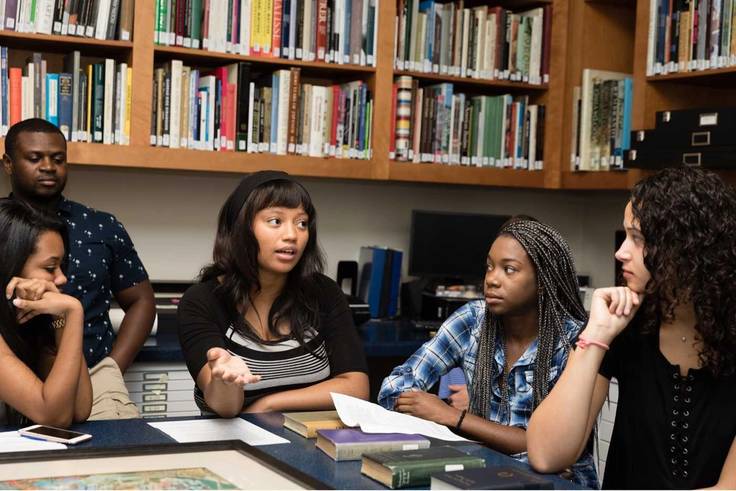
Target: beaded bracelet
58, 323
583, 343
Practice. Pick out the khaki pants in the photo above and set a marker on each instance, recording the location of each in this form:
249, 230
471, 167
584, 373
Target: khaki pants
110, 399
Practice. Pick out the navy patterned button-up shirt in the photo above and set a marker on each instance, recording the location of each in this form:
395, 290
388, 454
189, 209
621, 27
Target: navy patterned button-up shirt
101, 262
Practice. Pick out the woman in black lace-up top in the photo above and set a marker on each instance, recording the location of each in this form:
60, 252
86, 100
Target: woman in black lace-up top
676, 364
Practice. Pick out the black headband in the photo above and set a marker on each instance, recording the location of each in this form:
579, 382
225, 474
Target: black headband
249, 183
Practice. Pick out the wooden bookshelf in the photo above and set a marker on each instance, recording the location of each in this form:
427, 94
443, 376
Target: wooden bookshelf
709, 76
213, 57
456, 174
96, 154
68, 42
581, 36
610, 180
503, 85
603, 40
681, 90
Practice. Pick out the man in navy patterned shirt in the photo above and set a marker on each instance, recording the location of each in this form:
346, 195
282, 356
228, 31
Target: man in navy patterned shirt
101, 263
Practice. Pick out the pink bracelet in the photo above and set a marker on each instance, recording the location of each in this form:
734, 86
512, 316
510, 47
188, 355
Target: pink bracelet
583, 343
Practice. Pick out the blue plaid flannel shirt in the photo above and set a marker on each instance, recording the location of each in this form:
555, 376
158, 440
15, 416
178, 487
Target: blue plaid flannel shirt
456, 345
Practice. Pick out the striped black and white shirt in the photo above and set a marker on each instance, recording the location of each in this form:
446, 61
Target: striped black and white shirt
330, 349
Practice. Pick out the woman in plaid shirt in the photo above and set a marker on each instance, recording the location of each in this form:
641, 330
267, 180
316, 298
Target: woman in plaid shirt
512, 346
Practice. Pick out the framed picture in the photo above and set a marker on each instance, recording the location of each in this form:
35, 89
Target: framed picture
210, 465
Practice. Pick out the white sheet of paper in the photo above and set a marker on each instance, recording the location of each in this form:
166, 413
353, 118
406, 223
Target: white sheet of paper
208, 430
372, 418
11, 441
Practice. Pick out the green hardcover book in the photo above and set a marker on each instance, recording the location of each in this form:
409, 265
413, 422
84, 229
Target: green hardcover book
493, 129
401, 469
473, 138
162, 22
488, 137
196, 23
98, 101
524, 45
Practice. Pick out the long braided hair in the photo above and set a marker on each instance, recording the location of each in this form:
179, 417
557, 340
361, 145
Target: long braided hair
557, 300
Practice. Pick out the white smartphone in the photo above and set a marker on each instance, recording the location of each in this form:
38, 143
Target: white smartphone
43, 432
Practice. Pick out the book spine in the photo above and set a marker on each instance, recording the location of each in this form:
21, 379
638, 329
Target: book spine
52, 99
112, 19
65, 104
109, 101
321, 30
98, 107
295, 80
278, 10
4, 90
125, 26
244, 107
175, 95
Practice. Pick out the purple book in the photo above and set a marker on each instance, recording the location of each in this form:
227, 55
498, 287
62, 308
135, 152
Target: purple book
351, 443
11, 10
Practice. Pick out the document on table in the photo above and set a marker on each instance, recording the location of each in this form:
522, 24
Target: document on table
11, 441
209, 430
372, 418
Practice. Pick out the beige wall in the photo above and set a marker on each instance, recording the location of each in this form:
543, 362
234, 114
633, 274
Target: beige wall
171, 216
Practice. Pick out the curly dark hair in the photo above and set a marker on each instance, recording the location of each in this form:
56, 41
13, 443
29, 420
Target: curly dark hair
688, 219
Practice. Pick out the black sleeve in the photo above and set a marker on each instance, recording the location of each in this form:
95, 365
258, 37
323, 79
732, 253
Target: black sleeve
199, 330
611, 365
344, 346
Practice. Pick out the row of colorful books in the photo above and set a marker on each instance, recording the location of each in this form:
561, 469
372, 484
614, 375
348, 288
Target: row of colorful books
399, 460
333, 31
88, 103
100, 19
435, 124
233, 108
686, 35
481, 42
601, 131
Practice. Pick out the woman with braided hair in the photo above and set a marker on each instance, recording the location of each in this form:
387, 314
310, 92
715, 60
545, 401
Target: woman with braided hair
675, 422
512, 346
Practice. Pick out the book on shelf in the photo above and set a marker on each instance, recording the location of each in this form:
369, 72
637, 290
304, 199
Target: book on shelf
332, 31
351, 443
689, 35
400, 469
306, 423
436, 124
601, 131
233, 108
478, 42
99, 19
65, 98
491, 477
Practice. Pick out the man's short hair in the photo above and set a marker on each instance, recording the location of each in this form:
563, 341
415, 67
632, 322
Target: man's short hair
31, 125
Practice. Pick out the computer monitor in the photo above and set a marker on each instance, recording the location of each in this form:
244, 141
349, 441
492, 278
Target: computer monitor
451, 245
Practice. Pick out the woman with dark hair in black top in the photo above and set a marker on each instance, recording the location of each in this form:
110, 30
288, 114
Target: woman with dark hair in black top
43, 377
676, 364
264, 330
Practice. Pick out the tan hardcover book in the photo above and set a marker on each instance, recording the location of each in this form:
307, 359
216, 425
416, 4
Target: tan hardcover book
684, 40
307, 423
293, 108
125, 26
